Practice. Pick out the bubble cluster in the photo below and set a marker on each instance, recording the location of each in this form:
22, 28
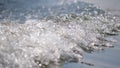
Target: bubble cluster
57, 39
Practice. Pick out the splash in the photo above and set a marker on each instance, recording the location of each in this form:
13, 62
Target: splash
74, 28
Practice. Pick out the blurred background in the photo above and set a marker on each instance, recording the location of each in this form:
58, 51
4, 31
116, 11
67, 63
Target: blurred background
109, 5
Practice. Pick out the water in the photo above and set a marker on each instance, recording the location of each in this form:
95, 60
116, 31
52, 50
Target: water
108, 5
41, 34
105, 59
109, 57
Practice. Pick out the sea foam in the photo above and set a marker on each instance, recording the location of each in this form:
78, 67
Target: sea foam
56, 39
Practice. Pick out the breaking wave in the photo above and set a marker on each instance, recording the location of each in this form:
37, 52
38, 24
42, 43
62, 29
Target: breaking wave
36, 34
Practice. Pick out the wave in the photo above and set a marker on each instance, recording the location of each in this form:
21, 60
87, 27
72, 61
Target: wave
57, 33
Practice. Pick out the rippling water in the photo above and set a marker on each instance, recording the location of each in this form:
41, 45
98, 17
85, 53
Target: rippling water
50, 33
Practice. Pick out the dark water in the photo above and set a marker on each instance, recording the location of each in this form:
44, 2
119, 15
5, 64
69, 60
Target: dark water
59, 34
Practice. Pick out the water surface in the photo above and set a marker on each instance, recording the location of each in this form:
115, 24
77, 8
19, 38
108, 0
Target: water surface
109, 57
56, 33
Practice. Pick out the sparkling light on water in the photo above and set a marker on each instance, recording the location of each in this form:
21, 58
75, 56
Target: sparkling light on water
46, 39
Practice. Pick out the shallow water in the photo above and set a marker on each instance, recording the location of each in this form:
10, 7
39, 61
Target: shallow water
105, 59
41, 34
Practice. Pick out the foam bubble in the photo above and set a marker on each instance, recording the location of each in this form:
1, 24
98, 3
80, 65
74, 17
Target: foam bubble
55, 40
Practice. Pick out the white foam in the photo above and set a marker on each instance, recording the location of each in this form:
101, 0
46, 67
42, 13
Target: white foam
63, 38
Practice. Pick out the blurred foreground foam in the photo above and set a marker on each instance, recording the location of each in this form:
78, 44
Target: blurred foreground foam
54, 39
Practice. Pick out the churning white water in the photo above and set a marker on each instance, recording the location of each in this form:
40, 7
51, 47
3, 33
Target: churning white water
35, 34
